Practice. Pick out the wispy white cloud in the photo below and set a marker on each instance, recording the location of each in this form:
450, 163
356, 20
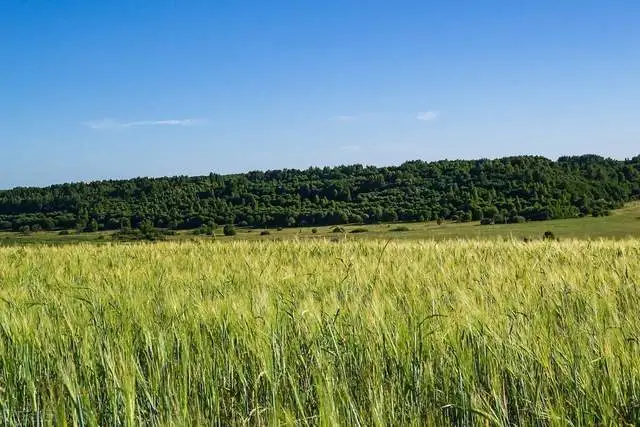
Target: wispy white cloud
427, 115
115, 124
344, 119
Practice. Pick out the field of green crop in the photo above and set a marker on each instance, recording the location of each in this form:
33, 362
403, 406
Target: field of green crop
316, 332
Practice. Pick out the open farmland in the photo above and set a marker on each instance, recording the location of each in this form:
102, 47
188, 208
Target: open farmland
316, 332
622, 223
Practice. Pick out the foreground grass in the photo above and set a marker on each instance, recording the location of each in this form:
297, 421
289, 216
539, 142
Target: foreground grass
321, 333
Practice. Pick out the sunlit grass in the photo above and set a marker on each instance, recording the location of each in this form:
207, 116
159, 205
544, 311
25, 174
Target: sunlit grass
319, 332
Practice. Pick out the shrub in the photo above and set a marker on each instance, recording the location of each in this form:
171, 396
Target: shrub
548, 235
64, 233
499, 219
93, 226
130, 235
401, 228
439, 221
279, 228
265, 233
517, 219
487, 221
338, 230
229, 230
314, 230
359, 230
25, 229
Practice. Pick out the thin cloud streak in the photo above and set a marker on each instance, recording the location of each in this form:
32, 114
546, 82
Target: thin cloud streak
115, 124
427, 116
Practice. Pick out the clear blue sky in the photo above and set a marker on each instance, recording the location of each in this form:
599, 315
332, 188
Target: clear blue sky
122, 88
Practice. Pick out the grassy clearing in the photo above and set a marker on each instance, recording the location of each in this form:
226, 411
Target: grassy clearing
622, 223
362, 332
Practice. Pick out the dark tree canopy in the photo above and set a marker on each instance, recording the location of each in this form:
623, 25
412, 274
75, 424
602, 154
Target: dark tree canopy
509, 189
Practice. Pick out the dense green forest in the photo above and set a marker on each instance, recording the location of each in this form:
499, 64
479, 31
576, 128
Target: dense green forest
510, 189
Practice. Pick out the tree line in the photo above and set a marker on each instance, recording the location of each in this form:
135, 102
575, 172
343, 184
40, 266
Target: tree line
510, 189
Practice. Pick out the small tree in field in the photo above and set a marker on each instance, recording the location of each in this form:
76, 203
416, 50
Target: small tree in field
146, 227
229, 230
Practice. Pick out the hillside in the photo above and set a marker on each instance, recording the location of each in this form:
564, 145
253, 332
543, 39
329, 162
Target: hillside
511, 189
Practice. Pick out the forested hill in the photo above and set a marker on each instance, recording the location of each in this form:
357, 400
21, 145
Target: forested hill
507, 189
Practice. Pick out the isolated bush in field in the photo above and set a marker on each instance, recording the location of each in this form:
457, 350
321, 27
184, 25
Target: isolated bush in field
229, 230
314, 230
487, 221
25, 229
517, 219
64, 233
279, 228
147, 227
359, 230
499, 219
265, 233
338, 230
439, 221
401, 228
548, 235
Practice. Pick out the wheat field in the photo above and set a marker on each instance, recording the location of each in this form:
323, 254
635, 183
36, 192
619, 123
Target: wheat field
365, 333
